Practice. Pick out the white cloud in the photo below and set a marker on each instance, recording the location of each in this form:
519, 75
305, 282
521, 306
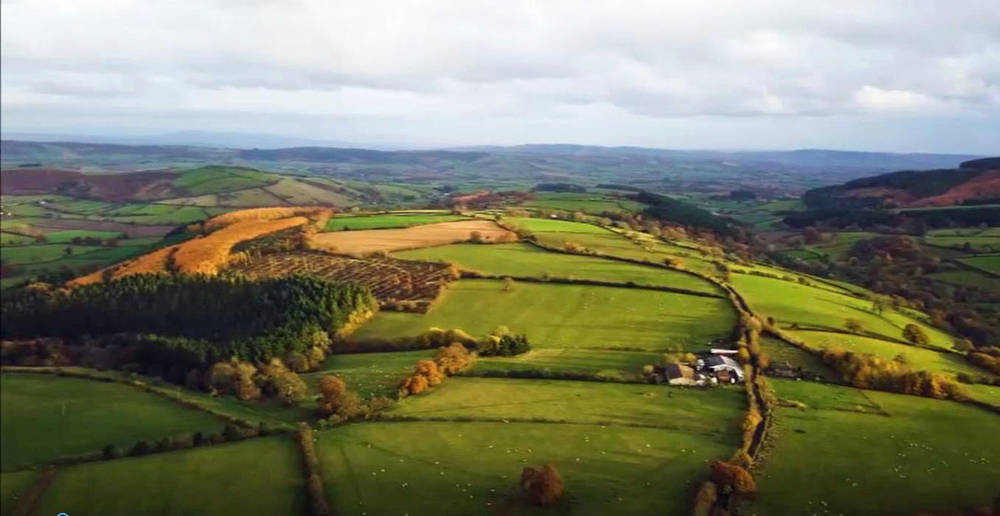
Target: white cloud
497, 72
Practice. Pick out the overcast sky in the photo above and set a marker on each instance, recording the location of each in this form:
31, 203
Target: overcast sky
906, 75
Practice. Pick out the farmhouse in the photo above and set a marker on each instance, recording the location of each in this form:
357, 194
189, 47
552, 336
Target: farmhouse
721, 367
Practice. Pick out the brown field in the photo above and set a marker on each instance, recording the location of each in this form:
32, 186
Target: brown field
371, 241
257, 214
106, 187
986, 184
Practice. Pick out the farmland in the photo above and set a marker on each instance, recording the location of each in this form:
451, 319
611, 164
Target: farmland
372, 241
261, 476
394, 220
523, 260
388, 279
602, 363
370, 374
46, 418
591, 203
989, 263
569, 316
472, 462
913, 449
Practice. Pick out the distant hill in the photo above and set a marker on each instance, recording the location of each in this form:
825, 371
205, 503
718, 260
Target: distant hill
974, 181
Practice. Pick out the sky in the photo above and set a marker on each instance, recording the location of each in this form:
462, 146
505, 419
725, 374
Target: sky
882, 75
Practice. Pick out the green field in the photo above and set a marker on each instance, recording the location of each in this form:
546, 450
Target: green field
472, 464
781, 353
854, 452
370, 374
594, 204
11, 487
836, 246
528, 260
12, 239
808, 306
605, 363
918, 358
555, 225
569, 316
259, 476
48, 417
215, 179
989, 263
709, 411
394, 220
41, 253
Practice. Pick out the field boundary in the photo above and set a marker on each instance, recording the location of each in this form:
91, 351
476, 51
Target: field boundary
28, 499
467, 274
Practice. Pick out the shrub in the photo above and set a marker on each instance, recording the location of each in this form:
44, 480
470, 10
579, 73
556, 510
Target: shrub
732, 476
429, 370
915, 335
453, 358
110, 452
854, 325
542, 485
140, 448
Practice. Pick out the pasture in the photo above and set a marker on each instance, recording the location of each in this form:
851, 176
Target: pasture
41, 253
12, 485
919, 359
215, 179
258, 476
599, 362
812, 307
473, 467
921, 456
709, 411
989, 263
569, 316
591, 203
391, 220
370, 374
616, 244
528, 260
372, 241
48, 417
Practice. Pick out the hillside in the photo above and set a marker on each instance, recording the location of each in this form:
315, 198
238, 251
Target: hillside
974, 182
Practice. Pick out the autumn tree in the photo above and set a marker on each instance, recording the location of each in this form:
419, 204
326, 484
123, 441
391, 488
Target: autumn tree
730, 475
853, 325
453, 358
915, 335
542, 485
429, 370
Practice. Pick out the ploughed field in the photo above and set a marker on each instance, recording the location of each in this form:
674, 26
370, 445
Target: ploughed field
372, 241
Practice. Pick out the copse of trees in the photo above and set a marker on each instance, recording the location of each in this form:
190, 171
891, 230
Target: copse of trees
214, 318
871, 372
542, 485
428, 373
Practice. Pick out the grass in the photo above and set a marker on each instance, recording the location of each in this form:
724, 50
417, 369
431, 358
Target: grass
968, 279
591, 203
41, 253
555, 225
12, 485
64, 237
984, 393
12, 239
616, 244
215, 179
569, 316
393, 220
989, 263
46, 417
260, 476
563, 401
918, 358
611, 364
854, 452
528, 260
472, 467
809, 306
370, 374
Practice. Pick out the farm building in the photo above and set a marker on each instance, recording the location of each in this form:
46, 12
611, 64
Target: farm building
677, 374
725, 369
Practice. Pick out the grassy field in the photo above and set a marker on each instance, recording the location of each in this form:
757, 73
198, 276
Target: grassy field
611, 364
260, 476
569, 316
11, 487
808, 306
555, 225
854, 452
370, 374
41, 253
390, 240
968, 279
989, 263
496, 399
12, 239
528, 260
472, 465
591, 203
392, 220
215, 179
918, 358
984, 393
47, 417
835, 247
780, 353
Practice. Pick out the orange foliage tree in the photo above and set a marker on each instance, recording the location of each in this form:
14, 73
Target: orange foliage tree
542, 485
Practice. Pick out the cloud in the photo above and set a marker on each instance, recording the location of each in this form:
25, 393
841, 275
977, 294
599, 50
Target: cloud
442, 67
